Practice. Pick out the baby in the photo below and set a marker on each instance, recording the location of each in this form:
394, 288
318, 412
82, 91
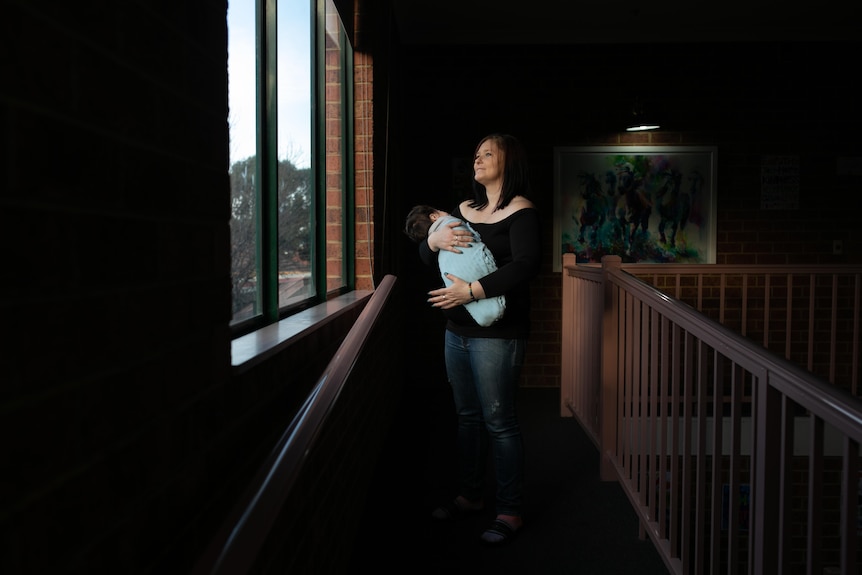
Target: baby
473, 263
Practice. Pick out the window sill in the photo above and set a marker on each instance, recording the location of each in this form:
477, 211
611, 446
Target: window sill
258, 346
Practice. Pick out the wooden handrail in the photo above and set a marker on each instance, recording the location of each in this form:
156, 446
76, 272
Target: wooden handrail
238, 543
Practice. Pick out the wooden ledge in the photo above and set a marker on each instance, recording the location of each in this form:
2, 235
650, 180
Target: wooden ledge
257, 346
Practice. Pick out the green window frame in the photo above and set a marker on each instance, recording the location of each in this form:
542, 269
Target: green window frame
299, 218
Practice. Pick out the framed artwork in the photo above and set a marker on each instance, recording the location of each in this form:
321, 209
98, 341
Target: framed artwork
648, 204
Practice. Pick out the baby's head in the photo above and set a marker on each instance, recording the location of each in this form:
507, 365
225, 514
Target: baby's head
419, 220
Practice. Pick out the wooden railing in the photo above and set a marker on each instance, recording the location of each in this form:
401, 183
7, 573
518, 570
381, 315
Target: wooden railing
308, 490
736, 458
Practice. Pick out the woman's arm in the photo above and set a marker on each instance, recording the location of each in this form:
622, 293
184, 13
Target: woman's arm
450, 237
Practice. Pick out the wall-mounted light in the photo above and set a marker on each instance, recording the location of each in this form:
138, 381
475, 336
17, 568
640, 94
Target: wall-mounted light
640, 121
643, 127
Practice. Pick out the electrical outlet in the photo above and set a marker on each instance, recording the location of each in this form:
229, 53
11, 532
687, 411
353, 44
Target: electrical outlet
837, 247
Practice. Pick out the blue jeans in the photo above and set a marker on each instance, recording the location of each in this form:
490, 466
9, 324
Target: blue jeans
484, 374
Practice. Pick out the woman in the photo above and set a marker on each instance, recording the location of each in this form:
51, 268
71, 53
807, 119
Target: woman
483, 364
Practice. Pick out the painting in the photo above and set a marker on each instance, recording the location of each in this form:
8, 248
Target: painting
646, 204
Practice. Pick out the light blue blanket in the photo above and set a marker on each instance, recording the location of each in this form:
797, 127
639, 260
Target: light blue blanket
473, 263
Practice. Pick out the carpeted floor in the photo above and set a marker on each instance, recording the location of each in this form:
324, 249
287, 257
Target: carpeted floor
574, 522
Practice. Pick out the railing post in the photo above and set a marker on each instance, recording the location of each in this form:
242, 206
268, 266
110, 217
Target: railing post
610, 354
568, 340
767, 466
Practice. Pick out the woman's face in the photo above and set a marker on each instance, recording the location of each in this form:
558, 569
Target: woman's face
488, 163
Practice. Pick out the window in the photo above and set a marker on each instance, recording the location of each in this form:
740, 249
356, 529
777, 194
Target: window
290, 122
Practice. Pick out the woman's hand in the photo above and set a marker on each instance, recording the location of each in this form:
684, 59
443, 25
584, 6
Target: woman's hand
449, 239
456, 294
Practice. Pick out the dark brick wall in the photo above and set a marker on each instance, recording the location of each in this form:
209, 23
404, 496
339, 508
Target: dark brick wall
115, 299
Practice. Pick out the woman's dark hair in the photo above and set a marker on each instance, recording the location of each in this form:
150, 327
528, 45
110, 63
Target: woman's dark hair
516, 180
418, 222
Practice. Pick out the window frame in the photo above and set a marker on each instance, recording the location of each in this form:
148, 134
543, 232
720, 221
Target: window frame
266, 122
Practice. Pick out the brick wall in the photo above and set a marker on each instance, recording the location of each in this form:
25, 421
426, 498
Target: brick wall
116, 303
363, 71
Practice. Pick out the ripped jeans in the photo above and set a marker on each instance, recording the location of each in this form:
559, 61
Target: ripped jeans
484, 374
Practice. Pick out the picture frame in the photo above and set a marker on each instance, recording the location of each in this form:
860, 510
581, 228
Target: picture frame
646, 204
